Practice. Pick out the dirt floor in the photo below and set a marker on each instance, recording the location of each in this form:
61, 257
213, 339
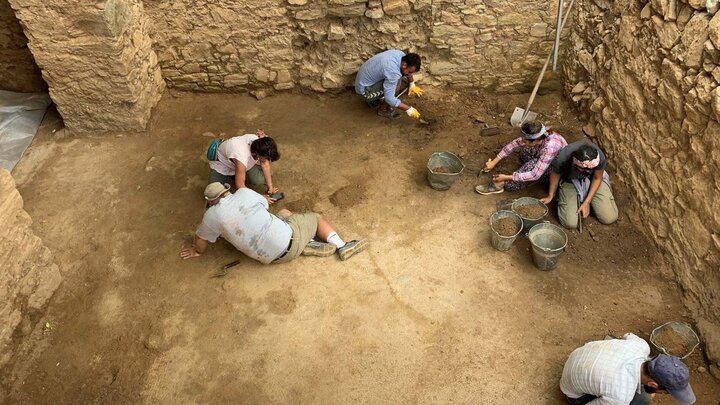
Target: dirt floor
429, 314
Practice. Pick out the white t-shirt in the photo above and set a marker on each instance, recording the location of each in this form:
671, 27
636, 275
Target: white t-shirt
243, 220
237, 148
607, 369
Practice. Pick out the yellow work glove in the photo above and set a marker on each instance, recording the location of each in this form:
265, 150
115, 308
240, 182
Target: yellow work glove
415, 90
413, 113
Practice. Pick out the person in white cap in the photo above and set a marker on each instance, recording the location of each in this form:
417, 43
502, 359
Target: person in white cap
242, 218
537, 148
620, 372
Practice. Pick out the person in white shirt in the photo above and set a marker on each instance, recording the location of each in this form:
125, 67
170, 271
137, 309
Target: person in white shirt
243, 160
620, 372
242, 218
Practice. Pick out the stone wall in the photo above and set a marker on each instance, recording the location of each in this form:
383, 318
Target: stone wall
226, 45
647, 74
97, 60
28, 276
18, 71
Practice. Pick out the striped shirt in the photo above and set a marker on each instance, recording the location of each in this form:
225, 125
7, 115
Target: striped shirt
608, 369
550, 148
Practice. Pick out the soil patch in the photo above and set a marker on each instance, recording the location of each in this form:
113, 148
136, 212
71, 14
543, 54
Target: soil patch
348, 196
531, 211
505, 226
673, 343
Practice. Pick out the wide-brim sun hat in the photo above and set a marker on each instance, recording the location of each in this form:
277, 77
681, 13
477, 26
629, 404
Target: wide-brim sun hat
215, 190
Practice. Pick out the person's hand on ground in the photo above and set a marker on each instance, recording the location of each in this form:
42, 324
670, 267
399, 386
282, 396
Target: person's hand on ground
584, 209
273, 190
260, 133
546, 200
489, 165
188, 253
413, 113
269, 199
415, 90
501, 177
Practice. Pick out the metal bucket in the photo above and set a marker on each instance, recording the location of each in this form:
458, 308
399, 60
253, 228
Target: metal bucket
548, 242
502, 242
528, 223
443, 181
683, 331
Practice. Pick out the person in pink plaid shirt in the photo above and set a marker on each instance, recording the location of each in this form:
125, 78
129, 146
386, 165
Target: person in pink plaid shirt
538, 148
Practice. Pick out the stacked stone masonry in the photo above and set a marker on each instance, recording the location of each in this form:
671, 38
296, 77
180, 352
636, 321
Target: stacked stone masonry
270, 45
97, 60
18, 71
28, 276
647, 74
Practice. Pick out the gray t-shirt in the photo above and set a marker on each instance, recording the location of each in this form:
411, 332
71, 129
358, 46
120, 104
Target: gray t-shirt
243, 220
563, 162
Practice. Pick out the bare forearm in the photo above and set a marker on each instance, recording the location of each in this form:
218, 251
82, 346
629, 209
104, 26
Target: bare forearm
267, 174
199, 244
554, 181
594, 186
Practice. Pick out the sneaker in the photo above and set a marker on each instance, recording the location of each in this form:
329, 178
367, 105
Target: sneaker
351, 248
488, 189
320, 249
388, 113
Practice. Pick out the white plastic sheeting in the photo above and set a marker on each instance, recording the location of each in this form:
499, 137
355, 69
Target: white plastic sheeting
20, 117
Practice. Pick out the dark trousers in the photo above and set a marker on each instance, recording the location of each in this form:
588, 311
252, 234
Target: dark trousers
642, 398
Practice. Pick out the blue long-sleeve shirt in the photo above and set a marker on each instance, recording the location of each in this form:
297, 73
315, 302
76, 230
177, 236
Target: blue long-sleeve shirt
384, 67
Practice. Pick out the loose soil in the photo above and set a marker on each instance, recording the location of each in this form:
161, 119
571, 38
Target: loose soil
530, 211
505, 226
442, 169
673, 343
429, 313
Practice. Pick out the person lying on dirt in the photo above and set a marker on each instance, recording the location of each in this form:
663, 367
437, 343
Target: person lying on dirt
579, 170
378, 78
245, 160
619, 371
537, 149
242, 218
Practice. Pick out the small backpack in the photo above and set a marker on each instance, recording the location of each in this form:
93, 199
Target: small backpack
212, 150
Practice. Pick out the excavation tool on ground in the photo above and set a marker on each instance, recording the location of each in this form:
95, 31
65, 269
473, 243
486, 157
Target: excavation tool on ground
224, 270
520, 116
580, 217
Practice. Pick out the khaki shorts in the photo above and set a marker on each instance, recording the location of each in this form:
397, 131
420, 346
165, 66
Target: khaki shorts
304, 228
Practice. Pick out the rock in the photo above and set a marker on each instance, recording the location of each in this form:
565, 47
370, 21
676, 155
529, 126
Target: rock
284, 86
259, 94
335, 32
667, 32
374, 13
693, 38
262, 75
208, 134
646, 12
331, 81
283, 76
579, 88
715, 371
538, 30
396, 7
297, 2
697, 4
235, 80
714, 30
347, 11
716, 102
712, 6
311, 14
701, 369
197, 51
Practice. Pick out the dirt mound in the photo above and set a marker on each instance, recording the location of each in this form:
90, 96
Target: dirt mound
505, 226
531, 211
673, 343
348, 196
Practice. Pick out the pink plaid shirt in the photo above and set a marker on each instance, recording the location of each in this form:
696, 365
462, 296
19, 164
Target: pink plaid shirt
550, 149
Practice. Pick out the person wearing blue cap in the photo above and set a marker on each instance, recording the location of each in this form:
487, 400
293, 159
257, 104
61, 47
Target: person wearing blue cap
620, 372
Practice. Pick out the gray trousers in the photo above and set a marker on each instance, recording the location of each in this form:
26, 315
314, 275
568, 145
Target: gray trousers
602, 204
252, 176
